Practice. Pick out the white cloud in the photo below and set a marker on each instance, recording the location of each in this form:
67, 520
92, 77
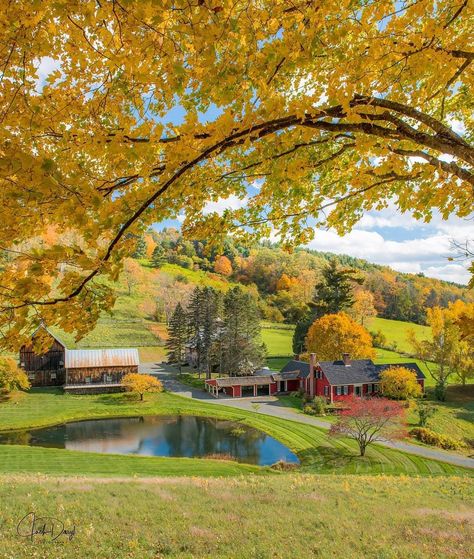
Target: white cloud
425, 254
233, 202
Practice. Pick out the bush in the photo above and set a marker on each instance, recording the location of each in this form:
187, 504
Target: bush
379, 339
435, 439
399, 383
309, 410
425, 410
319, 405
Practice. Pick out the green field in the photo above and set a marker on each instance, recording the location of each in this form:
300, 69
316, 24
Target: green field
318, 453
396, 331
278, 338
279, 517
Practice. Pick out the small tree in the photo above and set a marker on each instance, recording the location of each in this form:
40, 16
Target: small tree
136, 382
158, 257
11, 376
140, 248
178, 335
399, 383
425, 410
363, 307
368, 420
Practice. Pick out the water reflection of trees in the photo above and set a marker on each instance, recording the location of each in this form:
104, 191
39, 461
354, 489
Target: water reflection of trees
199, 436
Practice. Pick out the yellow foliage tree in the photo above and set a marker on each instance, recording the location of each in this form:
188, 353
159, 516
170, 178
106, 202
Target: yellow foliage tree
136, 382
334, 334
11, 376
286, 283
334, 106
223, 266
150, 245
399, 383
363, 307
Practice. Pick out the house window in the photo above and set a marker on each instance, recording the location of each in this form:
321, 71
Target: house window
345, 390
326, 390
31, 376
375, 387
318, 374
53, 376
338, 390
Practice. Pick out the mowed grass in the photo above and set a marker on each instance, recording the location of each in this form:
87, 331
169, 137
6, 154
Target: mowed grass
396, 331
279, 517
318, 453
277, 338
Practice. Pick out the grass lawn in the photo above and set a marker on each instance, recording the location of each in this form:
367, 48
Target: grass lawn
396, 331
455, 417
277, 338
364, 517
318, 453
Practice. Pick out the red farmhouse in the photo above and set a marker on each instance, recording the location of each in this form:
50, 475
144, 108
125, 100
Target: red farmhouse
336, 380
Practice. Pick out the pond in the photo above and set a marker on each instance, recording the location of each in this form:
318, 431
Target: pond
177, 436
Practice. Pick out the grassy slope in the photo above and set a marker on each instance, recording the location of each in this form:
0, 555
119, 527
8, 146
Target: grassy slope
317, 452
280, 517
396, 331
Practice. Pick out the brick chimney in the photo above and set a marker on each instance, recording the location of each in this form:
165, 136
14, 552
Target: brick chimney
312, 375
347, 359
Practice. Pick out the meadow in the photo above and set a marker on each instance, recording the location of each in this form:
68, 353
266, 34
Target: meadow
299, 516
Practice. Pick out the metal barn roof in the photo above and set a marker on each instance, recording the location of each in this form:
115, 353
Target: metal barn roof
82, 358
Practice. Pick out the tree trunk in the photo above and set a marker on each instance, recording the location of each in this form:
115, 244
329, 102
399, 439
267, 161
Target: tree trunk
362, 447
141, 397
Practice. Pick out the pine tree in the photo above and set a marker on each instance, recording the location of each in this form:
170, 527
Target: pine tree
242, 350
333, 294
140, 248
178, 336
158, 257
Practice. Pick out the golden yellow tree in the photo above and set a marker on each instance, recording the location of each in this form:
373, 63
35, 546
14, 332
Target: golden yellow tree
363, 307
141, 384
334, 334
223, 266
399, 383
334, 107
11, 376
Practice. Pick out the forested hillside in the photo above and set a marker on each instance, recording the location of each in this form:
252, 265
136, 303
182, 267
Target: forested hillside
285, 282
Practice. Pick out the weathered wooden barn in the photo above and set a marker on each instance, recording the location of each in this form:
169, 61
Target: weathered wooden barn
77, 370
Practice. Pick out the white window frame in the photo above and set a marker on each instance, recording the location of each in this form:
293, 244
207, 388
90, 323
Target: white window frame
326, 390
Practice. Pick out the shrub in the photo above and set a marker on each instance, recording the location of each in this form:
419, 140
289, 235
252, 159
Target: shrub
319, 405
379, 339
11, 376
283, 466
435, 439
309, 410
425, 410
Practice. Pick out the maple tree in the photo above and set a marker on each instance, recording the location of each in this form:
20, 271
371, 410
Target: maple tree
11, 376
399, 383
223, 266
368, 420
335, 108
141, 384
363, 306
334, 334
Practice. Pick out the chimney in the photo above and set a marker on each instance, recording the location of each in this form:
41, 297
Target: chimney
312, 366
347, 359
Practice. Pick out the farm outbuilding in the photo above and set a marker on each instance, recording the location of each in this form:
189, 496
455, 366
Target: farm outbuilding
78, 370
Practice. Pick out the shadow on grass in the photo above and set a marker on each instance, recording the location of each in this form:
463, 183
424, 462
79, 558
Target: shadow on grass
328, 457
119, 399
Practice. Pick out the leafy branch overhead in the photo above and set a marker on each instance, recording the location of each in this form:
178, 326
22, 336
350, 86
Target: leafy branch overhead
309, 112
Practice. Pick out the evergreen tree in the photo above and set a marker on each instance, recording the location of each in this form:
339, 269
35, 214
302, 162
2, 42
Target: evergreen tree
140, 248
158, 257
333, 294
242, 350
178, 335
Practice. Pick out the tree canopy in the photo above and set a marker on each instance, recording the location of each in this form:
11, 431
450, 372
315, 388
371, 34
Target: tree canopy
309, 113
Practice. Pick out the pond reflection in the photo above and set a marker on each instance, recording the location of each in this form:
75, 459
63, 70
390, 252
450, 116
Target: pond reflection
178, 436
